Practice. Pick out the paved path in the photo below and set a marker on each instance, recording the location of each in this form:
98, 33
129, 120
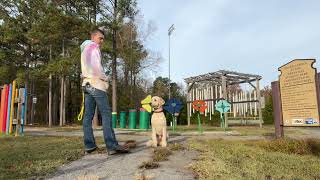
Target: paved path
102, 166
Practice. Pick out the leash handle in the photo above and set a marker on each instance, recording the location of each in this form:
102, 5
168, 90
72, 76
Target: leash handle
82, 108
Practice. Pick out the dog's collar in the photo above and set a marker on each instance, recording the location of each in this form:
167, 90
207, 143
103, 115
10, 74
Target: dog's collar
159, 110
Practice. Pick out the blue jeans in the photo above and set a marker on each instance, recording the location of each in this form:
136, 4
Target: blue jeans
97, 97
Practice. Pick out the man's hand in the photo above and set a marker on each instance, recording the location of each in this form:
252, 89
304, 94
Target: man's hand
105, 78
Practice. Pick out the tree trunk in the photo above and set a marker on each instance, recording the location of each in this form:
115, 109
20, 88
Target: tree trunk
64, 101
55, 107
69, 104
95, 12
131, 87
62, 94
32, 104
50, 100
50, 92
126, 78
134, 91
26, 86
114, 61
61, 100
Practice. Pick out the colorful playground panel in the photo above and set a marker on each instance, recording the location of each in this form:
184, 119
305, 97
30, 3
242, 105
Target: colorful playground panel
12, 108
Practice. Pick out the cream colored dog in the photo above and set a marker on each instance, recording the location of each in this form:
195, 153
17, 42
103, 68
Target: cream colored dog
158, 123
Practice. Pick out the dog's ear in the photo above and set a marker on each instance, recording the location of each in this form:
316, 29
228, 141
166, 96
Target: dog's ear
162, 102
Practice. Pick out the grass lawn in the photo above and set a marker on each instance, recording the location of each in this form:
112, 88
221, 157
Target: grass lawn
266, 130
29, 157
264, 159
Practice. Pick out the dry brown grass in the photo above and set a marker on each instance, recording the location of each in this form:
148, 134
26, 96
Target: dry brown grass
161, 154
291, 146
149, 165
268, 159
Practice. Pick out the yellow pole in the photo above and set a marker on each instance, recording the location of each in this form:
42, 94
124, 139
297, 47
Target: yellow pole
12, 105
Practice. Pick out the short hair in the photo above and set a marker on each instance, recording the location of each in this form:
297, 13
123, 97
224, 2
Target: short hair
97, 31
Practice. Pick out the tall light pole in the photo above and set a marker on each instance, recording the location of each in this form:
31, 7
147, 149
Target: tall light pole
171, 28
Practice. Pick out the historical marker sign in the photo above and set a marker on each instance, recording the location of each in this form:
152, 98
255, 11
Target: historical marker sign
299, 94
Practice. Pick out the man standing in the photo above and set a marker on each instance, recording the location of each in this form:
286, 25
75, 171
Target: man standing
95, 85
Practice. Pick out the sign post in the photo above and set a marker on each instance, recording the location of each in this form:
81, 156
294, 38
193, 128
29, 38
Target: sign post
296, 96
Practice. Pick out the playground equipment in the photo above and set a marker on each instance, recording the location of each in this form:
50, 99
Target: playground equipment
146, 103
12, 109
225, 85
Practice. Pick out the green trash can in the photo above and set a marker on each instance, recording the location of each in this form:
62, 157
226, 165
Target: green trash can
122, 119
132, 118
114, 119
144, 119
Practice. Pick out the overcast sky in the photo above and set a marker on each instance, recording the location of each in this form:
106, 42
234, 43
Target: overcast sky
249, 36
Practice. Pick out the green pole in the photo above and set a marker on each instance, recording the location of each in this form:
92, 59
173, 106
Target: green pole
173, 123
222, 120
199, 124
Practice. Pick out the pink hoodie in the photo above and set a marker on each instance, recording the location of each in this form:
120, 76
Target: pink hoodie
92, 71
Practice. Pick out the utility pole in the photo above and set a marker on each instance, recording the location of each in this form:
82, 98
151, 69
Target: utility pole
171, 28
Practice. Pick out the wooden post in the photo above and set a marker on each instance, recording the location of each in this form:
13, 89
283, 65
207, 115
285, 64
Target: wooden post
224, 95
277, 112
188, 111
188, 98
259, 102
19, 101
318, 90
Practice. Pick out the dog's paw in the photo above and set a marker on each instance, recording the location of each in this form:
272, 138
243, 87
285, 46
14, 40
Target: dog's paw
154, 145
149, 143
163, 144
